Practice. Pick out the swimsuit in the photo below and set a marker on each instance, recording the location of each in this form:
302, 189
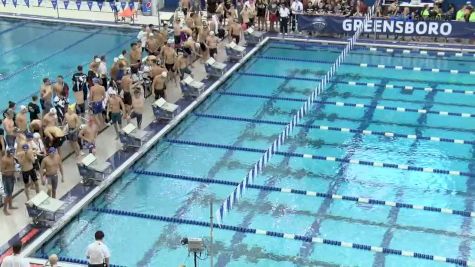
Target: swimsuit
89, 146
97, 107
169, 66
127, 98
8, 184
116, 117
57, 142
53, 181
72, 135
29, 174
159, 92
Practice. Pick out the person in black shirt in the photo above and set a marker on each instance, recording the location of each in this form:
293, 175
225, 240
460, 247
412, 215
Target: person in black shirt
33, 108
80, 90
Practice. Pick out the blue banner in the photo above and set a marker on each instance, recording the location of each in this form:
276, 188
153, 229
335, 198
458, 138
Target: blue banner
15, 2
66, 4
27, 3
78, 4
100, 4
131, 5
340, 25
54, 3
112, 5
39, 2
123, 4
89, 4
4, 2
146, 7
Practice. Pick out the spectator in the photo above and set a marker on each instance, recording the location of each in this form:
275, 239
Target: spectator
284, 14
273, 15
261, 10
53, 260
296, 8
33, 108
97, 253
15, 260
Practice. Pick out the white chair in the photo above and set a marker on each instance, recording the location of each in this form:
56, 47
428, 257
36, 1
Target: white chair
164, 110
234, 51
192, 88
214, 68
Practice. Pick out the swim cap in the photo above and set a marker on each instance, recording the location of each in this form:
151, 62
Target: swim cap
211, 33
51, 150
29, 135
97, 60
164, 74
52, 110
116, 59
25, 146
72, 107
36, 135
150, 34
10, 150
96, 80
121, 57
22, 107
82, 126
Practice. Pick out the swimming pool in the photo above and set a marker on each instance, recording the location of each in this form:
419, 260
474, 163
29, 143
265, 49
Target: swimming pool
33, 50
380, 131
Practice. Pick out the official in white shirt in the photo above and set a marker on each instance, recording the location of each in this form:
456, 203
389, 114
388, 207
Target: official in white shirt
284, 14
296, 8
97, 253
15, 260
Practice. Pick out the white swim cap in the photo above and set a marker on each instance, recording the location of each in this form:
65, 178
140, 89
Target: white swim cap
150, 34
52, 110
164, 74
190, 38
36, 135
116, 59
22, 107
82, 126
211, 33
121, 57
97, 60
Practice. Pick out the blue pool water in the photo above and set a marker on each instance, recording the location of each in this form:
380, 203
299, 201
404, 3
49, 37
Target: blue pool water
147, 242
31, 51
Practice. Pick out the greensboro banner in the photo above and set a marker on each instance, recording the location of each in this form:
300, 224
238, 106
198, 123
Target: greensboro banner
336, 24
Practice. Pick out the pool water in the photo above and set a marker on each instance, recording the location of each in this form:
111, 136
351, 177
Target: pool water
31, 51
146, 242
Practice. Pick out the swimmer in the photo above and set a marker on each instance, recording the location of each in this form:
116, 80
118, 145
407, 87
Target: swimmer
54, 136
21, 120
235, 31
181, 65
88, 135
169, 56
73, 122
212, 43
7, 167
50, 118
138, 101
97, 96
116, 109
46, 93
60, 87
36, 126
159, 85
152, 45
26, 158
9, 127
49, 169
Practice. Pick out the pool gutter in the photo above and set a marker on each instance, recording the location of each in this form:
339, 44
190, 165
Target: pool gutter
72, 21
421, 46
76, 209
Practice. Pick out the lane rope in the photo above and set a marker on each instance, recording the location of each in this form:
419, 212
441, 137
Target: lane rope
328, 158
316, 239
344, 130
362, 200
